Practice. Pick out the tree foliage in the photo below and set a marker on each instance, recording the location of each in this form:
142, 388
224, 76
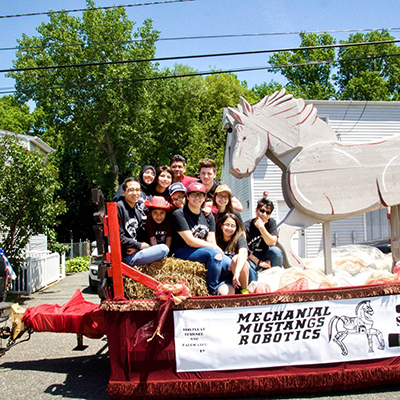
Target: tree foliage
367, 72
311, 81
27, 202
96, 107
372, 72
14, 116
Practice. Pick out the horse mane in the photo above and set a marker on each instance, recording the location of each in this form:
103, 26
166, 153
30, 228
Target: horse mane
283, 113
360, 304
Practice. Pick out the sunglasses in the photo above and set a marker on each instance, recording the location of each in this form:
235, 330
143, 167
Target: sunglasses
264, 211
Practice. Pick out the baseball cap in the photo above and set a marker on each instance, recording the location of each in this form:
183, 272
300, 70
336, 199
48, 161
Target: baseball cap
223, 188
196, 187
176, 187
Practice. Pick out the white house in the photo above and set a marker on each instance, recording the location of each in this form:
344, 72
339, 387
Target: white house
353, 121
40, 267
32, 143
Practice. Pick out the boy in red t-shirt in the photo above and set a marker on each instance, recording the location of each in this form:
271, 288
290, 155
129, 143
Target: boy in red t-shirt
158, 223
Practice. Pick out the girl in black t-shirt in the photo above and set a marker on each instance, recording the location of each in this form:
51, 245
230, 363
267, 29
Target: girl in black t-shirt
231, 239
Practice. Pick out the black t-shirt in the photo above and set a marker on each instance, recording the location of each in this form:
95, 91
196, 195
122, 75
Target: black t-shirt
241, 243
254, 239
184, 220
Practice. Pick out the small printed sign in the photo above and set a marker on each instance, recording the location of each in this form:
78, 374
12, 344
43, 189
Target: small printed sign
287, 334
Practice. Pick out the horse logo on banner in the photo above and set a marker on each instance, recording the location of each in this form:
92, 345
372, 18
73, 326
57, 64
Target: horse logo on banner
361, 324
323, 179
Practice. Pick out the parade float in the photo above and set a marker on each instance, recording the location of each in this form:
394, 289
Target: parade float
297, 337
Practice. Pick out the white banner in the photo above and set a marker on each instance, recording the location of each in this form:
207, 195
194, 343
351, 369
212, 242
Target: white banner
287, 334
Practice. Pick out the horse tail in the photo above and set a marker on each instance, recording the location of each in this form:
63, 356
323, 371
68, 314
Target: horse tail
335, 318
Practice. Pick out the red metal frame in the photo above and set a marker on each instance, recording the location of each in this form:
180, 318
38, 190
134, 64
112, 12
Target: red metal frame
118, 268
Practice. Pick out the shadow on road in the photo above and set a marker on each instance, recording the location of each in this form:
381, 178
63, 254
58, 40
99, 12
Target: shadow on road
86, 376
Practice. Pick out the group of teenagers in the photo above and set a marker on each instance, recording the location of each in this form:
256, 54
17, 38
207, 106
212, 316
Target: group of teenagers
164, 213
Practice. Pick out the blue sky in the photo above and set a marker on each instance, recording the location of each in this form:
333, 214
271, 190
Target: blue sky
217, 17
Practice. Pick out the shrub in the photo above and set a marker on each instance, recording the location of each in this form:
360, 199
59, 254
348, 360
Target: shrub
77, 264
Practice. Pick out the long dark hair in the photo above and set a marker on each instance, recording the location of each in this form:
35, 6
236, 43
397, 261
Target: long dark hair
232, 246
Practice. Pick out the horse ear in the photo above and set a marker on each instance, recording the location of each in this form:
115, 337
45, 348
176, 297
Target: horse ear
247, 108
235, 115
227, 120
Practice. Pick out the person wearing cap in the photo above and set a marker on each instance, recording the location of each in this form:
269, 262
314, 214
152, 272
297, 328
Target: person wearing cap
178, 166
208, 173
132, 228
177, 196
222, 203
262, 237
194, 237
158, 223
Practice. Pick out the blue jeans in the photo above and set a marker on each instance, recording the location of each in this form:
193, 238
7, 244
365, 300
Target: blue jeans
273, 253
147, 255
217, 270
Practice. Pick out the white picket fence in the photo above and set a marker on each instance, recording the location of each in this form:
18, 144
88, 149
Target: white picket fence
41, 268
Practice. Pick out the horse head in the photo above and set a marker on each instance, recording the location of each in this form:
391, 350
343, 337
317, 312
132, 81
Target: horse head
364, 310
247, 146
278, 124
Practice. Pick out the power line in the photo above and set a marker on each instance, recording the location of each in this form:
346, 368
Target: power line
94, 8
241, 53
207, 37
204, 73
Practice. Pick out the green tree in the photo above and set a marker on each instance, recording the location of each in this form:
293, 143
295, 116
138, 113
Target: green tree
312, 81
266, 89
96, 108
372, 73
14, 116
221, 90
27, 203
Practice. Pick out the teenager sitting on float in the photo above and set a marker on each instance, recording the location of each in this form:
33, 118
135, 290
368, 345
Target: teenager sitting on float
177, 195
132, 227
231, 238
163, 181
194, 238
158, 223
222, 203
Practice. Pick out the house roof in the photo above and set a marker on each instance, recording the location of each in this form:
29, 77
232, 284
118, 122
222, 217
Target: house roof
31, 142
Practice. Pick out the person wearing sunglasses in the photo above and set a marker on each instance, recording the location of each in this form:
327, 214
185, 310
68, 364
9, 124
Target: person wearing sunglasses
262, 237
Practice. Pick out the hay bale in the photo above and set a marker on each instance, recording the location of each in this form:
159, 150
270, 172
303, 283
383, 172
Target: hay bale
173, 270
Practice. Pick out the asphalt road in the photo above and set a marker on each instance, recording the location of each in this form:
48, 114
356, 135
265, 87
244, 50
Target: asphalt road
48, 367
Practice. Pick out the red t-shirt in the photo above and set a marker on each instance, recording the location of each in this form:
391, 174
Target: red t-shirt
187, 179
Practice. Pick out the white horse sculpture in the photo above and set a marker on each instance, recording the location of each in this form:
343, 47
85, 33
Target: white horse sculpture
323, 179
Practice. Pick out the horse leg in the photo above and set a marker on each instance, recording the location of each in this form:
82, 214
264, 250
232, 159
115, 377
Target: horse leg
338, 339
379, 337
395, 233
370, 343
293, 222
